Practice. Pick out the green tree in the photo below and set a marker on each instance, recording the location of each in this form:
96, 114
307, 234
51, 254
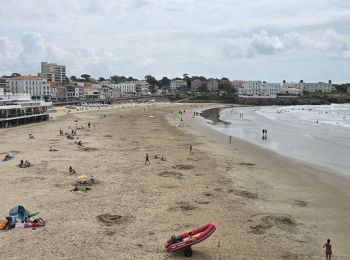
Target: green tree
164, 82
227, 88
130, 79
342, 88
187, 79
118, 79
15, 74
152, 81
73, 78
101, 79
86, 77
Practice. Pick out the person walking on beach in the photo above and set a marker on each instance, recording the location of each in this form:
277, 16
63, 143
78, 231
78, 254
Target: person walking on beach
230, 139
147, 159
328, 251
191, 149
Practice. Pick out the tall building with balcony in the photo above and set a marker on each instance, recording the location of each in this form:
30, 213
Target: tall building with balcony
37, 87
5, 85
53, 72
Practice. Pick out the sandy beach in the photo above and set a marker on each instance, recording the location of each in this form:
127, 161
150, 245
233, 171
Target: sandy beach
265, 206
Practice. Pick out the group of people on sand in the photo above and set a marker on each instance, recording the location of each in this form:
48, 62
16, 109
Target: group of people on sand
24, 164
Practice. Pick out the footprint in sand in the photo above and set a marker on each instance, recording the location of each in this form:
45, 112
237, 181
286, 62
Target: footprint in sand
244, 193
183, 167
184, 206
301, 203
267, 221
111, 220
168, 174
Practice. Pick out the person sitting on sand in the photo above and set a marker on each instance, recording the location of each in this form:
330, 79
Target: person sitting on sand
27, 164
80, 143
328, 251
163, 158
31, 136
21, 164
71, 170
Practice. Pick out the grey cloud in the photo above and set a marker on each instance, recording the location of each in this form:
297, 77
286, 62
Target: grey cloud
266, 44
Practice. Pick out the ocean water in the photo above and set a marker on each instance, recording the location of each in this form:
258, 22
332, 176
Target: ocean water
316, 134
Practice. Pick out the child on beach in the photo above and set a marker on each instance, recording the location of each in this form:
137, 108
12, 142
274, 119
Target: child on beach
328, 251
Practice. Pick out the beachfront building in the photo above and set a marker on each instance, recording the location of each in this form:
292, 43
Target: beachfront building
292, 88
142, 87
37, 87
237, 85
19, 109
106, 92
53, 72
256, 88
269, 89
176, 84
318, 87
197, 83
91, 94
213, 85
5, 85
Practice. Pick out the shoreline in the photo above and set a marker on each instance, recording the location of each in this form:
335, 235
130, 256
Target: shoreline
213, 115
258, 215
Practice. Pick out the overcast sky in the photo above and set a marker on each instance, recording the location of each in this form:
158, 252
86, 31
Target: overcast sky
268, 40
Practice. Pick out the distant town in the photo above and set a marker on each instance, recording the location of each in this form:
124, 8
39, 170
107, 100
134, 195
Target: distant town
52, 84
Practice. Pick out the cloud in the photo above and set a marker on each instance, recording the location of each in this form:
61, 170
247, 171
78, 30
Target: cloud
265, 44
327, 43
170, 37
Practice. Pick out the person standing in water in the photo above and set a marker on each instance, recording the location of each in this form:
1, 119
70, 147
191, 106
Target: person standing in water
328, 251
147, 159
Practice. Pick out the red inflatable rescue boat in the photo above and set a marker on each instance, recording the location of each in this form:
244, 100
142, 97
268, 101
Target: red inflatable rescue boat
188, 239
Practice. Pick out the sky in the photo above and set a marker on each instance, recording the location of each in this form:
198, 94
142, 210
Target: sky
272, 40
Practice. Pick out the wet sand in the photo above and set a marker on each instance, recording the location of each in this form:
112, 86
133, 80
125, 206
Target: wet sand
265, 206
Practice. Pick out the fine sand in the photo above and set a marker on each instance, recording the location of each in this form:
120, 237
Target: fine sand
265, 206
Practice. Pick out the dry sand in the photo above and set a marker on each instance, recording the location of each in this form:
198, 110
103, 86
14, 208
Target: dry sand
265, 206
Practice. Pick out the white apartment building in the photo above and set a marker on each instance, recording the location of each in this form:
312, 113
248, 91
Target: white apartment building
36, 86
177, 83
142, 87
256, 88
53, 72
127, 88
2, 92
269, 89
318, 87
301, 87
5, 84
